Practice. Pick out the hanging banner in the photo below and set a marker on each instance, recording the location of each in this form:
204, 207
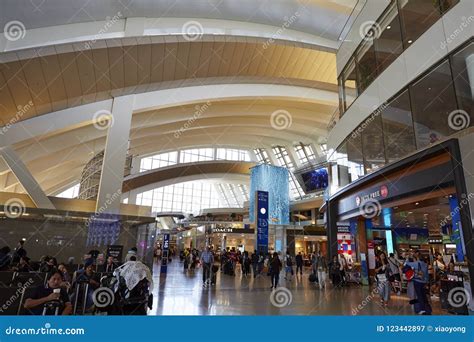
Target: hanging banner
262, 221
164, 253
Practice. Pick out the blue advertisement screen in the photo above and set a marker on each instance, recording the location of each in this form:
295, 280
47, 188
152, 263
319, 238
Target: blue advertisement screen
315, 180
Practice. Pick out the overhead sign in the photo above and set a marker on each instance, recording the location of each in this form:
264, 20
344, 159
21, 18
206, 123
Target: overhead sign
115, 251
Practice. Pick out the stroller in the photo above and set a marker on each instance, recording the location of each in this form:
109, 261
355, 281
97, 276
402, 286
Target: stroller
131, 285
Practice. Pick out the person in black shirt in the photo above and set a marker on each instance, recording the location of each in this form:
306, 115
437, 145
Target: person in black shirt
275, 268
19, 252
48, 293
299, 263
23, 265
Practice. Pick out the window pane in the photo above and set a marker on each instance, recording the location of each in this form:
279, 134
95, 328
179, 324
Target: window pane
349, 82
417, 16
366, 65
463, 69
398, 128
389, 44
433, 99
372, 143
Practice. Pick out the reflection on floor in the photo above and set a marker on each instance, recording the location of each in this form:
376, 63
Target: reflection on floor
180, 293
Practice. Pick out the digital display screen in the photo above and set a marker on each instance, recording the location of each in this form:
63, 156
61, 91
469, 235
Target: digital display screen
315, 180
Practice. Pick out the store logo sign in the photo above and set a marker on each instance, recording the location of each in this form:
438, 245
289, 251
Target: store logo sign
382, 192
222, 230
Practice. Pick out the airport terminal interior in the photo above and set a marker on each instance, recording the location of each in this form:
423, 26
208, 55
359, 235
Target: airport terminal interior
236, 157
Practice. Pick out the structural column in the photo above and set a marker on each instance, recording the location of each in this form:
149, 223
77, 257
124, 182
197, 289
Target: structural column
116, 146
26, 179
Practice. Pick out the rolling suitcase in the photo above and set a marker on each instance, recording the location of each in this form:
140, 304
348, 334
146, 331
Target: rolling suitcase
313, 278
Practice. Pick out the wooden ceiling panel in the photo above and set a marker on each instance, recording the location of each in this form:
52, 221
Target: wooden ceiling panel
284, 60
37, 85
101, 71
227, 54
206, 55
144, 66
85, 67
52, 76
16, 82
130, 68
70, 76
216, 59
193, 59
237, 56
171, 51
116, 68
157, 63
7, 105
182, 61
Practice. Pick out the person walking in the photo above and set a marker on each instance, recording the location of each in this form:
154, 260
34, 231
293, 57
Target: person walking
299, 263
246, 264
261, 263
207, 259
335, 271
275, 268
254, 259
288, 266
395, 277
321, 267
382, 274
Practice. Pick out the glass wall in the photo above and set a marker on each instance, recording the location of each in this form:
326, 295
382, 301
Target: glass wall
349, 84
397, 123
373, 145
433, 99
366, 65
435, 106
417, 16
389, 44
403, 22
463, 71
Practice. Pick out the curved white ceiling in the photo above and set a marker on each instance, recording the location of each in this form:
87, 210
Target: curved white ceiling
324, 18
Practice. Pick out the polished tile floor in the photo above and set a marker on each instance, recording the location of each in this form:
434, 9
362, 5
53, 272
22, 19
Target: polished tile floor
180, 293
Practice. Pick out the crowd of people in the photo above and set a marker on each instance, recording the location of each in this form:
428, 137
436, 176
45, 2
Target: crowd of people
62, 281
421, 275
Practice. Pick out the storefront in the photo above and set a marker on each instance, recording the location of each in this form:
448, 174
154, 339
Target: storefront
232, 238
417, 204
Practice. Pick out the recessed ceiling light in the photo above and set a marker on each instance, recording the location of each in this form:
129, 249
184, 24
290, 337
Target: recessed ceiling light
417, 203
410, 41
389, 27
